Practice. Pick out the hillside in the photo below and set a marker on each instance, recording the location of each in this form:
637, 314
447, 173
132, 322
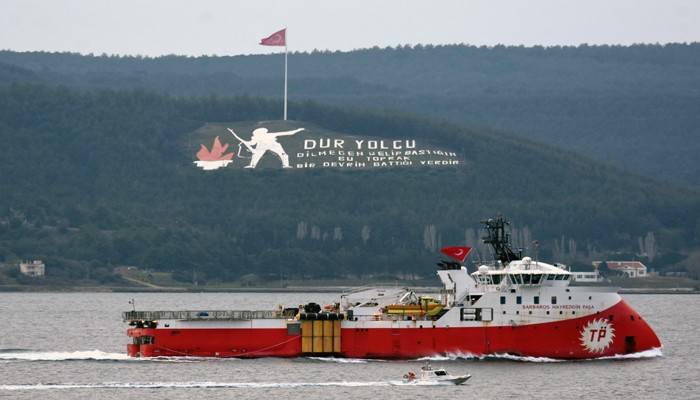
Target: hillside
634, 107
98, 179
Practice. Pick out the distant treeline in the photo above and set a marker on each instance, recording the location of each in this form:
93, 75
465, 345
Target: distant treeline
92, 180
637, 107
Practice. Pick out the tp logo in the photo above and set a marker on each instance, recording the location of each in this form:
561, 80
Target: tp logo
597, 335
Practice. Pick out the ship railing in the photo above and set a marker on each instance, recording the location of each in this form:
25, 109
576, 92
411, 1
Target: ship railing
129, 316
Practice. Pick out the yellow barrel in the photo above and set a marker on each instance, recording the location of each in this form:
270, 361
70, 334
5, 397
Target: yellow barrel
318, 344
320, 336
336, 344
307, 344
318, 328
336, 328
307, 334
307, 328
328, 328
328, 344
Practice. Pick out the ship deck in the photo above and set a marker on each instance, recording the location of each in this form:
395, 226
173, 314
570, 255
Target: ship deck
197, 315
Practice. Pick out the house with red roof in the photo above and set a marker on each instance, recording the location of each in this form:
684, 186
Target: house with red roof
633, 269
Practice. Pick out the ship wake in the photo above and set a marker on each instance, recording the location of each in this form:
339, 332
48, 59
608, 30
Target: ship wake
508, 357
651, 353
341, 360
210, 385
19, 355
12, 355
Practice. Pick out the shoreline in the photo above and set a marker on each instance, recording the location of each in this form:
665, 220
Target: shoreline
289, 289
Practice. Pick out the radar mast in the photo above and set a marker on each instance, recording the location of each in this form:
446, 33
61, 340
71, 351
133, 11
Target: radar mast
499, 239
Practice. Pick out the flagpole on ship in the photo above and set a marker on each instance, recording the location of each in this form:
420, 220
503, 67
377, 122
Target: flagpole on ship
285, 74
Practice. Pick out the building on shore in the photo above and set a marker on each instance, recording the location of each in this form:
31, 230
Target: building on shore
582, 276
34, 268
633, 269
586, 276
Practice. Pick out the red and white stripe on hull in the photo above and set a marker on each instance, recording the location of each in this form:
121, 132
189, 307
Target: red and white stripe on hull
615, 330
561, 339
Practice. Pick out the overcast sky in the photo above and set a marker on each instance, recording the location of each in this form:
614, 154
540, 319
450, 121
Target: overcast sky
224, 27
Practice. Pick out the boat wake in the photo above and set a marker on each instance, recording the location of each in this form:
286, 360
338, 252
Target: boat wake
345, 360
201, 385
10, 355
466, 356
31, 355
652, 353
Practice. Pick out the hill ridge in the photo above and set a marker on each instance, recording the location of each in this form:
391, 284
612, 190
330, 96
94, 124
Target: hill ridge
110, 184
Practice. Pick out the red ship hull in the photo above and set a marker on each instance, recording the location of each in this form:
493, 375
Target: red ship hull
561, 340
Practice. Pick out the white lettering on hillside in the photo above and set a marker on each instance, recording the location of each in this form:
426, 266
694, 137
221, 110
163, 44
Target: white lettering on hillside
370, 153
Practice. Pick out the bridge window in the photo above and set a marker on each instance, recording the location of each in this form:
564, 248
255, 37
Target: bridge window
516, 279
526, 278
496, 279
551, 277
536, 278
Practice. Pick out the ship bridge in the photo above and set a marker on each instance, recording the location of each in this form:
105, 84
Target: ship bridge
520, 273
509, 272
517, 274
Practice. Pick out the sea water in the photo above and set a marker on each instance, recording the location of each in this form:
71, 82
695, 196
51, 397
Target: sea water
72, 345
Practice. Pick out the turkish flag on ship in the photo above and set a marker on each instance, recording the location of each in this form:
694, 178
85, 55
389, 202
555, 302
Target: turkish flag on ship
278, 38
459, 253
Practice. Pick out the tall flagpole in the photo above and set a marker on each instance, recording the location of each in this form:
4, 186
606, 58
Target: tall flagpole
279, 38
285, 74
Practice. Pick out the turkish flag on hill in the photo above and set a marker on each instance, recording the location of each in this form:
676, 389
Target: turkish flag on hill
278, 38
459, 253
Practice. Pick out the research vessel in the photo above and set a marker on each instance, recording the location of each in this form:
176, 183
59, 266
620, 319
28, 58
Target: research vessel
514, 305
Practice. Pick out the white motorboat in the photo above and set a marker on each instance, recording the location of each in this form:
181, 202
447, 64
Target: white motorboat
428, 374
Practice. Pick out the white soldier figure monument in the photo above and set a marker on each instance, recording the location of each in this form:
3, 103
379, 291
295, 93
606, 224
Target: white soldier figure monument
263, 141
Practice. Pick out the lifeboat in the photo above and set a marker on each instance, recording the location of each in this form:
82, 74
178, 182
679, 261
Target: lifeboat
427, 306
